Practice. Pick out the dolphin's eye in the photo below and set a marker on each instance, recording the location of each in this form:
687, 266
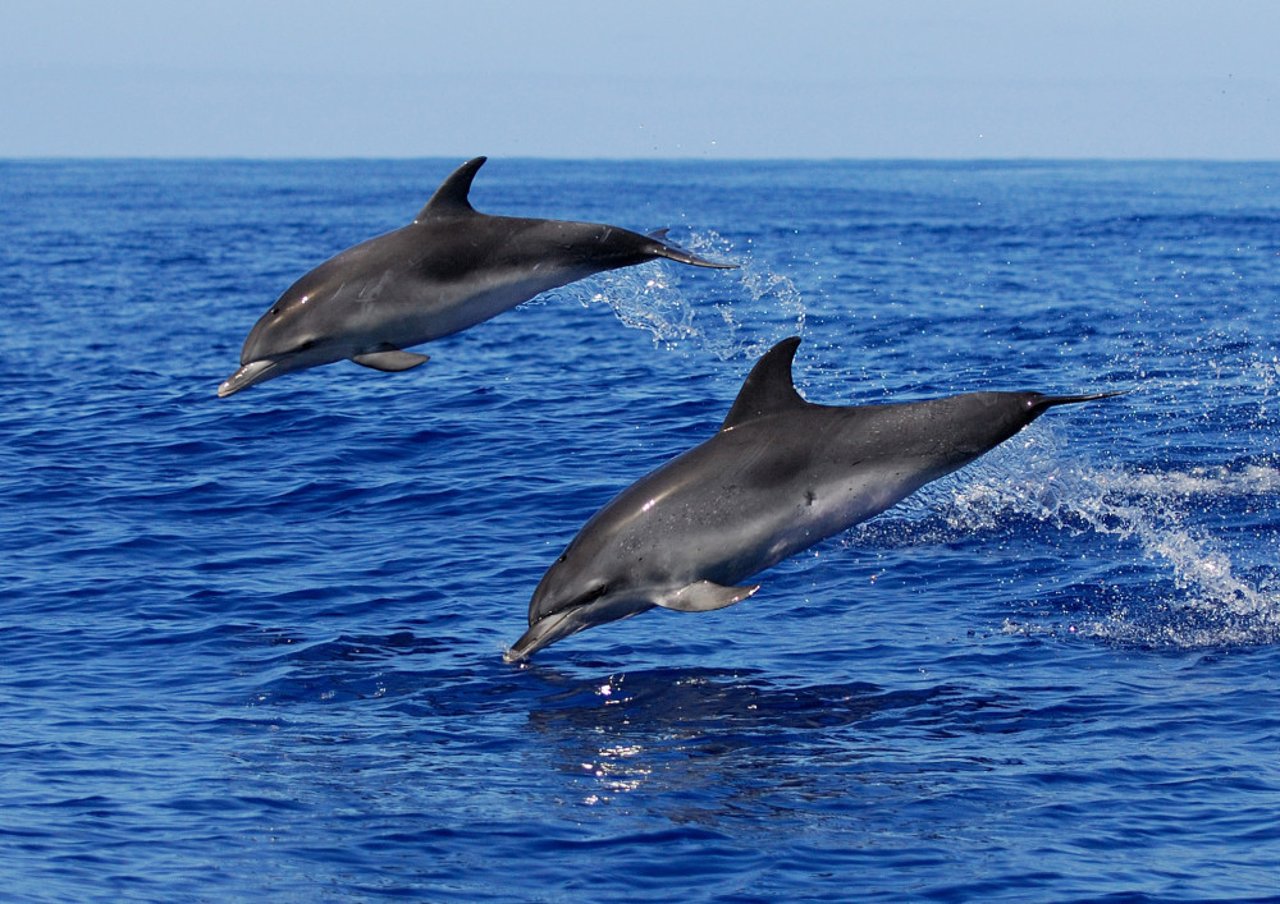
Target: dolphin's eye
275, 311
310, 343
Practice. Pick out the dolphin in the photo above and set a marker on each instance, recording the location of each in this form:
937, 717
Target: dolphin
779, 476
449, 269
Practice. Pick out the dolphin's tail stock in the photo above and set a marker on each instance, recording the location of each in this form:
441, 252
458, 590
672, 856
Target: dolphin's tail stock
664, 248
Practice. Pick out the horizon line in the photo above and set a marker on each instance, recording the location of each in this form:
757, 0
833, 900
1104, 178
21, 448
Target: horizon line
856, 158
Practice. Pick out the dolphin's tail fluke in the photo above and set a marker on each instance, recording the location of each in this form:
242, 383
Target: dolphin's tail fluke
1039, 404
664, 248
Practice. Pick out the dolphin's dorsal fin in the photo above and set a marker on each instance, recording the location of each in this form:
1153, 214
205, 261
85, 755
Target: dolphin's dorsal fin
451, 196
768, 388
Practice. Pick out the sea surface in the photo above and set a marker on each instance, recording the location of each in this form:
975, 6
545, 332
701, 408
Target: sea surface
251, 649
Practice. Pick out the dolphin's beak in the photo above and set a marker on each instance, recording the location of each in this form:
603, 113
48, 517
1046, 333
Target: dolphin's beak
544, 632
246, 376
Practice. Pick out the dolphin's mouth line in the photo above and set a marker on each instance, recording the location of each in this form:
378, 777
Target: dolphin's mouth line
542, 633
585, 600
247, 375
551, 627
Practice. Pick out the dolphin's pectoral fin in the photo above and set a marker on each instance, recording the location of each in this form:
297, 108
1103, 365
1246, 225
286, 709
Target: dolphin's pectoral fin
391, 361
704, 596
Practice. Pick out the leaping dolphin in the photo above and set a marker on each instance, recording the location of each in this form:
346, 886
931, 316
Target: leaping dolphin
449, 269
780, 475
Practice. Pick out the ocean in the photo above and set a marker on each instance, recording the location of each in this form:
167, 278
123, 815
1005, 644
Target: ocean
251, 648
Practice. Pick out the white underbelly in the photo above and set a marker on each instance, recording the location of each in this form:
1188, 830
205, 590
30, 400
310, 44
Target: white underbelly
783, 523
432, 315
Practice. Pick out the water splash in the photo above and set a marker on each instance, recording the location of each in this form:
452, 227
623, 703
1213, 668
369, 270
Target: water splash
1207, 601
1187, 588
765, 305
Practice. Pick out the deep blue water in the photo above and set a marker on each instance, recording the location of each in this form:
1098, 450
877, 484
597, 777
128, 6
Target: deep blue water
251, 648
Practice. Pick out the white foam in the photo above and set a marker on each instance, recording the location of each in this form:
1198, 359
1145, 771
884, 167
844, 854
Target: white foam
1204, 591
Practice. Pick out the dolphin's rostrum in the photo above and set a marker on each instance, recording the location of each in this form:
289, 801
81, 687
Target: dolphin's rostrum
449, 269
779, 476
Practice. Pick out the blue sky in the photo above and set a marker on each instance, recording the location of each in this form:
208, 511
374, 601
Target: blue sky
703, 79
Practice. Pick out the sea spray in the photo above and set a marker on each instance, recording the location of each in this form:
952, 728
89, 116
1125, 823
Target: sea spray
757, 307
1172, 580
